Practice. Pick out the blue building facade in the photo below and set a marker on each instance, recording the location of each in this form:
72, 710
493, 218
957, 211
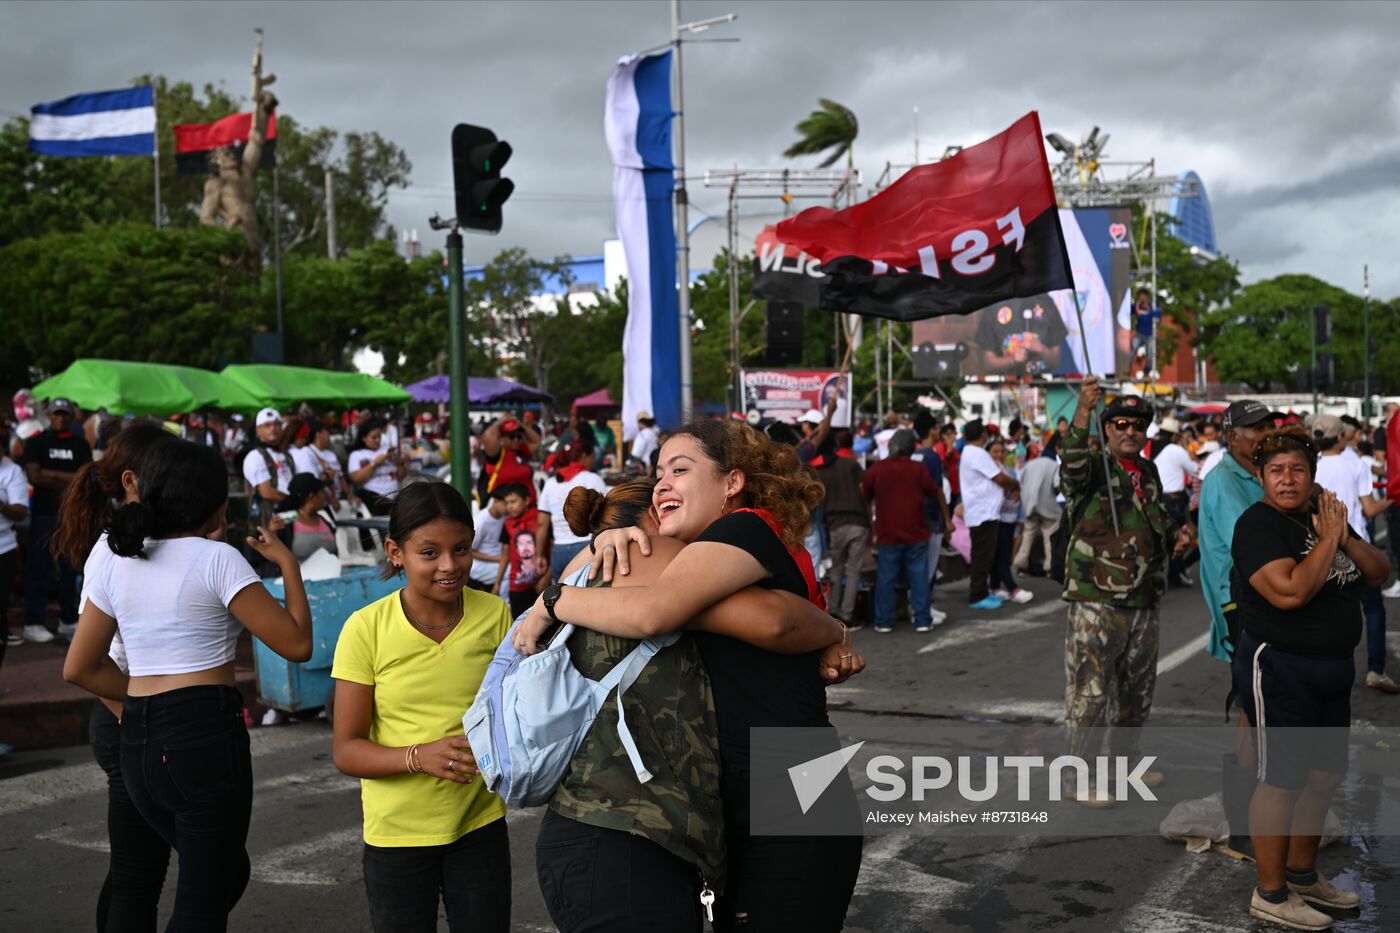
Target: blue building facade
1192, 220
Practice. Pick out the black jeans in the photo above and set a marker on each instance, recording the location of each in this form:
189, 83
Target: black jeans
785, 884
596, 880
38, 565
984, 552
1001, 576
136, 870
189, 771
471, 876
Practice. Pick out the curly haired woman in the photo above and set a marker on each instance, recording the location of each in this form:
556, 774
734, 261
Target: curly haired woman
741, 503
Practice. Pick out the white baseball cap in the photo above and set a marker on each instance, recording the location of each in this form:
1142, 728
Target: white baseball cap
812, 416
268, 416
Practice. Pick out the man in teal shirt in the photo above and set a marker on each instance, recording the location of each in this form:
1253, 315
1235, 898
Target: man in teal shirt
1226, 492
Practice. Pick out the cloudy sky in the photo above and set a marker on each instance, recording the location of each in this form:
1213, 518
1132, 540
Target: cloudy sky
1289, 111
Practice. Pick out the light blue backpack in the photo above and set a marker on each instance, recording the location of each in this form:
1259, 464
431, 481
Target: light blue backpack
532, 712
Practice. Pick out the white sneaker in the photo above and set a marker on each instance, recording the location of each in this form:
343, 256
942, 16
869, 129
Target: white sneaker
37, 634
13, 641
1393, 591
937, 615
1022, 596
66, 631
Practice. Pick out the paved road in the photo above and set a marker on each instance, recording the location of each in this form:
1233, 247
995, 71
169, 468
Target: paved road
1005, 665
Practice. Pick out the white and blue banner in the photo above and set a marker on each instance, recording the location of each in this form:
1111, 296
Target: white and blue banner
637, 123
103, 123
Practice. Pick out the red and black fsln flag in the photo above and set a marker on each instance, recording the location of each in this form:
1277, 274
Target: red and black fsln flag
946, 238
194, 142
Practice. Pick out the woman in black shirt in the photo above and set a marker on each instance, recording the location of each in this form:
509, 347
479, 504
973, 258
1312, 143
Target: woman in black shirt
742, 504
1298, 574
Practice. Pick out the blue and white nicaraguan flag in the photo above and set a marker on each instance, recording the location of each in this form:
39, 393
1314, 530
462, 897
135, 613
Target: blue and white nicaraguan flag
637, 123
102, 123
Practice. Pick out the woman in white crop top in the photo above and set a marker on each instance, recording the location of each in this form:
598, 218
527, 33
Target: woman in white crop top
180, 602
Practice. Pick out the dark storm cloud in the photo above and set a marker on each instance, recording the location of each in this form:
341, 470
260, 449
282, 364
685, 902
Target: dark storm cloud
1289, 111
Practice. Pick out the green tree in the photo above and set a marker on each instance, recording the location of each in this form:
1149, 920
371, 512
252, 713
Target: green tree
41, 195
127, 291
1189, 283
1263, 338
831, 129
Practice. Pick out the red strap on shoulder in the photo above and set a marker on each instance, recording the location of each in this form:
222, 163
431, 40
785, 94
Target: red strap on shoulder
799, 555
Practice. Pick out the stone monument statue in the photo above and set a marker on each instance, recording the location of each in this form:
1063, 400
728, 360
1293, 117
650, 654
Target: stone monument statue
230, 194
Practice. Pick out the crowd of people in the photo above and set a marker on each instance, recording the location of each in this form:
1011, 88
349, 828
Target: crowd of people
753, 550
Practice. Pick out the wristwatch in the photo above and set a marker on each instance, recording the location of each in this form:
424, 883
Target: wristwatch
551, 596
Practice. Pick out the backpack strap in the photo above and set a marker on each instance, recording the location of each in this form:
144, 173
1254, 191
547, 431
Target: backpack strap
622, 676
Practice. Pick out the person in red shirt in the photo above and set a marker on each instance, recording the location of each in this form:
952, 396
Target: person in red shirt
898, 488
947, 450
519, 533
507, 446
1392, 484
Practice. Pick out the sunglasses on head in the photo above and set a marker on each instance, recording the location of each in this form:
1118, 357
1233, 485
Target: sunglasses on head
1123, 424
515, 435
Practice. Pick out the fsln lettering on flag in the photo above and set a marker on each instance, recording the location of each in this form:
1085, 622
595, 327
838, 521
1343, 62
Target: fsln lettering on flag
946, 238
101, 123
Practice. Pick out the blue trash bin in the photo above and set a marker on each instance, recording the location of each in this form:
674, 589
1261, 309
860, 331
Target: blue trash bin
289, 686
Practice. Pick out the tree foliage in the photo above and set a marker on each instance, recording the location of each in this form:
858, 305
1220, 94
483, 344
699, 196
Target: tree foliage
1263, 338
125, 291
41, 194
1189, 286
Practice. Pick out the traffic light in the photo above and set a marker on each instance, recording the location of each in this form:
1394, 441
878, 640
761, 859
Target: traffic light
477, 159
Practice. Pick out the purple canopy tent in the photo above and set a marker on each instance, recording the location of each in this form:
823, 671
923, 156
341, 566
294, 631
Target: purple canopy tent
481, 390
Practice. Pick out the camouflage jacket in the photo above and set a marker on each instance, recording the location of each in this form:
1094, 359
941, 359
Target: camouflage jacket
1127, 570
671, 714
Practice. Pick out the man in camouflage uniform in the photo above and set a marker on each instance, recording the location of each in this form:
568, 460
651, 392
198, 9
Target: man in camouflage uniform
1114, 581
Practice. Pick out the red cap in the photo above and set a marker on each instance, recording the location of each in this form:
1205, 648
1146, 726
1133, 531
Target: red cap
510, 426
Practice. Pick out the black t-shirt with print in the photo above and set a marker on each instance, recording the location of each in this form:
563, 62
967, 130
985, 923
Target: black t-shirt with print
754, 687
62, 453
1002, 328
1330, 623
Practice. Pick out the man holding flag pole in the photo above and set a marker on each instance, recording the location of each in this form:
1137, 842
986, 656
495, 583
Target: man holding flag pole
982, 227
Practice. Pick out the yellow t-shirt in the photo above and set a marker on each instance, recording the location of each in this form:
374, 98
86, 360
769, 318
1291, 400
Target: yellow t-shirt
421, 691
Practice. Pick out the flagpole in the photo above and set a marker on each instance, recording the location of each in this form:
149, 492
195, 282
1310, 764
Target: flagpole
156, 152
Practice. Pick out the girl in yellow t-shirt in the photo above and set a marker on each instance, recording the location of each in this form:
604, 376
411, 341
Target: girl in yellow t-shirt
406, 667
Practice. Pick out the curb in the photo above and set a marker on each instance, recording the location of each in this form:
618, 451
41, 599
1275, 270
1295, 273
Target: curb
64, 722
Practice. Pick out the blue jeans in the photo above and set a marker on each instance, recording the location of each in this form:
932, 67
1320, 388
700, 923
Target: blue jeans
38, 565
912, 561
1373, 607
561, 555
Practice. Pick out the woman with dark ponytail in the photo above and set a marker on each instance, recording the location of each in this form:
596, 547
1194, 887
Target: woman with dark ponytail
180, 602
139, 856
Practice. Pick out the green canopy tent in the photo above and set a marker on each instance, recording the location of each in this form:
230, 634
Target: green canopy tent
280, 386
144, 388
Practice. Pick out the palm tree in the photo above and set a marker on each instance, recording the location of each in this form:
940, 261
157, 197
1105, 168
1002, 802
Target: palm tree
832, 127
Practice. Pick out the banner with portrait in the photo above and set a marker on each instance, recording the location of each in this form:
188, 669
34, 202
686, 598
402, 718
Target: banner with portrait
787, 394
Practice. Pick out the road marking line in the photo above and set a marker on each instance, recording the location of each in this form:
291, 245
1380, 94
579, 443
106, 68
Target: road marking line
1180, 656
56, 785
91, 836
275, 865
981, 631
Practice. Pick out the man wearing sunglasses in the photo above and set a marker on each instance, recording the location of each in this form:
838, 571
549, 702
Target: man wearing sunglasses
1114, 579
507, 446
